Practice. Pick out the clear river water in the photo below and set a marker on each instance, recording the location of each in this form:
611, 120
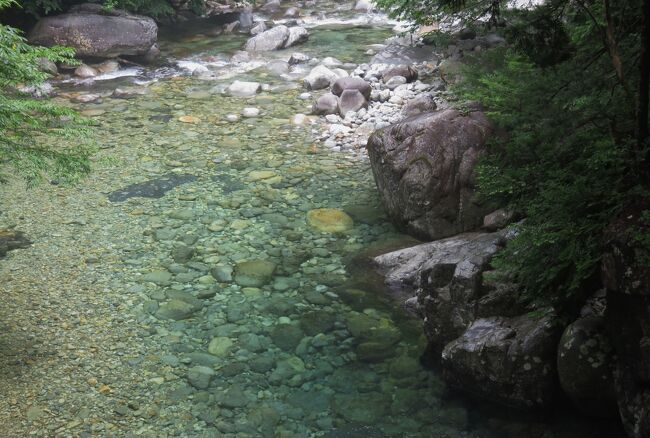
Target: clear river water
214, 308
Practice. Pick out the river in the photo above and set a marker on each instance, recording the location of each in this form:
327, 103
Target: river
211, 306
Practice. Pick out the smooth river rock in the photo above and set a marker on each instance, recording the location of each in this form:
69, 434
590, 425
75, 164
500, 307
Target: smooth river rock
329, 220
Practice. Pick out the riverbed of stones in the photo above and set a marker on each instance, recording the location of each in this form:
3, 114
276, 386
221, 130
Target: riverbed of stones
200, 282
200, 285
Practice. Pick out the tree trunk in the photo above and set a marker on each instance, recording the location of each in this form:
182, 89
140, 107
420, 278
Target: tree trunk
644, 83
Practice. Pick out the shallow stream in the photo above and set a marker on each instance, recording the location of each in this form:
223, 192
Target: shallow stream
214, 308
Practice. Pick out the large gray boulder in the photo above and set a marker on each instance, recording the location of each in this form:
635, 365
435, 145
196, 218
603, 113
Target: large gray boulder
297, 35
506, 360
320, 77
424, 170
278, 37
272, 39
351, 100
94, 32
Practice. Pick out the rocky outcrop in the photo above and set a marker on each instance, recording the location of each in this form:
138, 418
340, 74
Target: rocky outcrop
507, 360
97, 33
626, 275
424, 170
445, 276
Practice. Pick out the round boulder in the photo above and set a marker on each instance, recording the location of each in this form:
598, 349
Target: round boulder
329, 220
254, 273
351, 83
326, 104
351, 100
584, 367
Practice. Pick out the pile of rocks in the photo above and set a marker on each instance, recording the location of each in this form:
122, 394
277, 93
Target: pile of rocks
372, 97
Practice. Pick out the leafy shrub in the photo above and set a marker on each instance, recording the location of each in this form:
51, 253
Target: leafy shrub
27, 125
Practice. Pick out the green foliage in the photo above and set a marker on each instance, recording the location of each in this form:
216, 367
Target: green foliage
153, 8
27, 125
566, 161
41, 7
566, 156
428, 11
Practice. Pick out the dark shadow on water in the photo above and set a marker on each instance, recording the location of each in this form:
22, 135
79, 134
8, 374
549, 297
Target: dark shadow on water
366, 289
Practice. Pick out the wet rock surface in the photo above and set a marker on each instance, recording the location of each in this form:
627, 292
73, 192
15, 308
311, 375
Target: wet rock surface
584, 366
625, 275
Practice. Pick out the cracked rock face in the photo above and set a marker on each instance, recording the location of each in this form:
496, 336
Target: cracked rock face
424, 170
445, 276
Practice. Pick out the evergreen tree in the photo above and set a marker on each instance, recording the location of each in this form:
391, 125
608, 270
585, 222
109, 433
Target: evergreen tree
571, 95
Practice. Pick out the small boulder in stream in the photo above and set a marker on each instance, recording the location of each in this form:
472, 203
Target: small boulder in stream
320, 77
351, 100
326, 104
244, 89
278, 37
